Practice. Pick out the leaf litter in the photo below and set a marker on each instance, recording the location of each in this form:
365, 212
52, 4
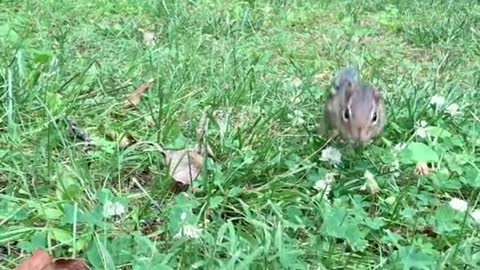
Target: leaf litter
42, 261
136, 97
124, 141
186, 165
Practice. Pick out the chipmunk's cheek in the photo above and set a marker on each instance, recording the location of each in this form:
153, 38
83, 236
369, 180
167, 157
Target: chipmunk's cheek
353, 134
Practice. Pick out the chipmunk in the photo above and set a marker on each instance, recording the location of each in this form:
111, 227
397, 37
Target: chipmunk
356, 111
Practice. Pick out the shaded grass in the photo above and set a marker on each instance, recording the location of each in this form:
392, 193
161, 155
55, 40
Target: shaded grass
255, 68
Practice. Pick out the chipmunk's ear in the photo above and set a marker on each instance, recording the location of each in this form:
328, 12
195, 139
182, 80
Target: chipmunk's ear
350, 89
349, 93
339, 84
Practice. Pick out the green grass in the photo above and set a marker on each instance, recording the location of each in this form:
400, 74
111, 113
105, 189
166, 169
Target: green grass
254, 68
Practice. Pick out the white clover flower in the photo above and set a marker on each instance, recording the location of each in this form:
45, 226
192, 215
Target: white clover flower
437, 101
370, 183
189, 231
325, 183
458, 205
396, 164
453, 109
297, 117
297, 82
399, 147
396, 168
113, 209
267, 10
476, 215
324, 186
332, 155
369, 176
295, 100
421, 129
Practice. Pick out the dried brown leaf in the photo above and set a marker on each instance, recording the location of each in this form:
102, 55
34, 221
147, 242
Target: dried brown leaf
69, 264
136, 97
38, 261
42, 261
184, 166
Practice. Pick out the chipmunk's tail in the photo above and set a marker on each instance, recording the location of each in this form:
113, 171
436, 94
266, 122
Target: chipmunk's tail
347, 78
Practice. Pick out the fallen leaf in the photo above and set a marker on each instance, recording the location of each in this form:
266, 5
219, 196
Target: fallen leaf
67, 264
184, 166
135, 98
42, 261
38, 261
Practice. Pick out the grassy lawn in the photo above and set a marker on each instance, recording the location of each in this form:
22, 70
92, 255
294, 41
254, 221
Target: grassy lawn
253, 77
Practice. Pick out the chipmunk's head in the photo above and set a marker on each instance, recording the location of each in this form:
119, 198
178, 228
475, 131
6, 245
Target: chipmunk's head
363, 115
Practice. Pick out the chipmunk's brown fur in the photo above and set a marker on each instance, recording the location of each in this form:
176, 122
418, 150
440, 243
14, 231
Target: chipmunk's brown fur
356, 111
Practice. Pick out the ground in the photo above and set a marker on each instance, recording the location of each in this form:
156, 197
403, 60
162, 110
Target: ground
258, 73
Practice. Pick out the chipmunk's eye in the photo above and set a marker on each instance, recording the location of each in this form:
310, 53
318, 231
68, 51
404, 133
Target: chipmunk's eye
346, 114
374, 117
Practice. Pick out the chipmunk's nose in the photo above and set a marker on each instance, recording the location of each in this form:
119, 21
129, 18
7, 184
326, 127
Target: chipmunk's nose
363, 136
